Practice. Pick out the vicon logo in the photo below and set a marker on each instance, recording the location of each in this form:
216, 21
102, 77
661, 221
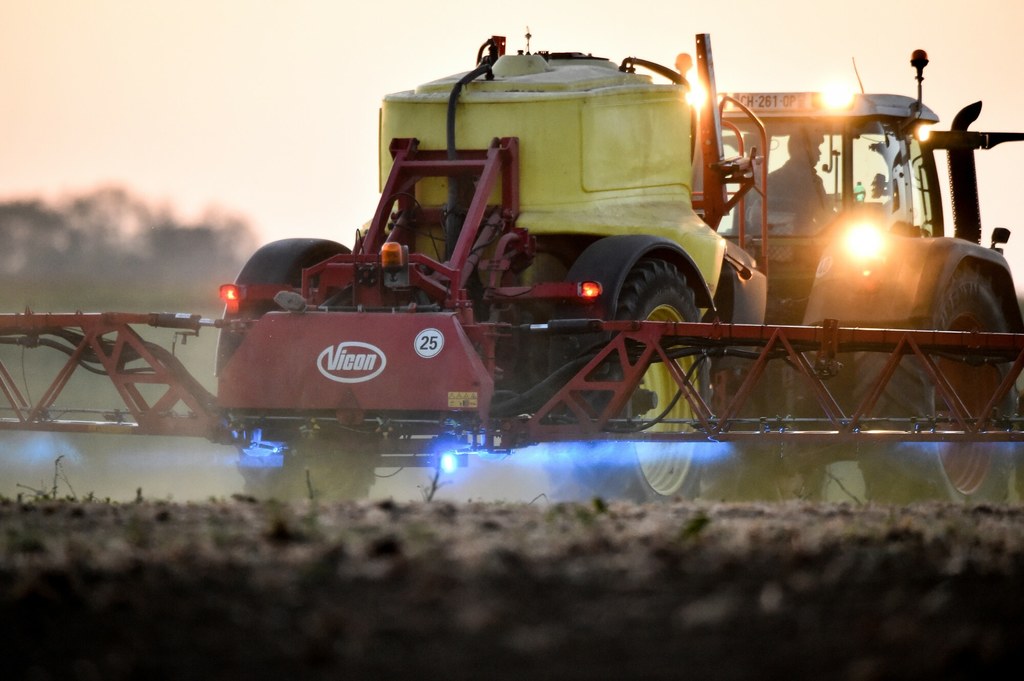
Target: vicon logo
351, 362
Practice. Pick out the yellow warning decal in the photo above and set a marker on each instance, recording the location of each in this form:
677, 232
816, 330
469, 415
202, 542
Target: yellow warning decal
462, 399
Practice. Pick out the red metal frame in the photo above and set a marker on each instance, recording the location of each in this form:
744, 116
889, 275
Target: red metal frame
116, 344
442, 281
577, 418
757, 180
718, 172
129, 362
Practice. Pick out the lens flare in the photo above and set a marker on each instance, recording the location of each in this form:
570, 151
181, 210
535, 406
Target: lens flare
697, 94
865, 242
837, 96
449, 462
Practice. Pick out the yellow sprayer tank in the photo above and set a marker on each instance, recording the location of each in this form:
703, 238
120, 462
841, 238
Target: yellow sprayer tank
602, 152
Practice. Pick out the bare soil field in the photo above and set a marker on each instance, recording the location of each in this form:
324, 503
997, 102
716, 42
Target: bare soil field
239, 589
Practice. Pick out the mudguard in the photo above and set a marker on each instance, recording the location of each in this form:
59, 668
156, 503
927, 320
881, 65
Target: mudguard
902, 287
278, 262
609, 261
742, 291
281, 261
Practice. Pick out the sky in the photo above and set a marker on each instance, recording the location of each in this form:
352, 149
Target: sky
268, 109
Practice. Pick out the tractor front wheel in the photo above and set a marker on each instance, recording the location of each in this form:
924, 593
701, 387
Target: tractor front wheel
974, 471
959, 471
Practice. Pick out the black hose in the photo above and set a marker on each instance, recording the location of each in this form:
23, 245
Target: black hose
85, 360
533, 398
493, 51
540, 393
453, 99
629, 65
452, 218
641, 426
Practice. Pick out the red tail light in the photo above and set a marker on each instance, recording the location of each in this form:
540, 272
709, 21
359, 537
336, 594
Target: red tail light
231, 294
590, 290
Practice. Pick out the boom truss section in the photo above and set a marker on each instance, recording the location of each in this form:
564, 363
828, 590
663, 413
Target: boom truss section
156, 394
591, 403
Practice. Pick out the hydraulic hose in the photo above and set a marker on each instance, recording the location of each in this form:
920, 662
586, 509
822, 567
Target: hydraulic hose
453, 219
541, 392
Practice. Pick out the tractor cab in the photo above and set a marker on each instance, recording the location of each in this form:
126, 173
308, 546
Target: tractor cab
830, 167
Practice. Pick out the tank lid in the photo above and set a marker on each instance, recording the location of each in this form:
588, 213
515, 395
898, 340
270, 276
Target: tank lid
512, 65
562, 73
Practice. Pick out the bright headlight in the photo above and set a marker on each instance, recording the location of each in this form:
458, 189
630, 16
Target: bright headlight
865, 242
865, 245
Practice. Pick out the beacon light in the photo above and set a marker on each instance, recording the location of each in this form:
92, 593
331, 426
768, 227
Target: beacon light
393, 256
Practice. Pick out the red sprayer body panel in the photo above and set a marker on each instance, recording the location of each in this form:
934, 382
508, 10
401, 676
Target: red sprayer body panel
356, 362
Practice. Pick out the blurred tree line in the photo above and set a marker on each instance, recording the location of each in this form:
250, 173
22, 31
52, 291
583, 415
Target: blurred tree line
115, 244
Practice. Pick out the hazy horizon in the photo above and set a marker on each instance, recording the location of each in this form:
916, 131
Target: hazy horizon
269, 110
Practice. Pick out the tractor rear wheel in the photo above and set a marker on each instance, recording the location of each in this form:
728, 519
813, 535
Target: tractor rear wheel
654, 290
957, 471
312, 469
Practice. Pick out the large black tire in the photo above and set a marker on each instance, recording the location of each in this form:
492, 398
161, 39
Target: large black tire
313, 469
653, 290
278, 262
965, 472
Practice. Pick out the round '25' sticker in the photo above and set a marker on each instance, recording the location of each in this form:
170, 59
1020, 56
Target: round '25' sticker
428, 343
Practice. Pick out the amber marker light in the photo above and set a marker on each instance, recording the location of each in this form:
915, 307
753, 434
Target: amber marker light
392, 256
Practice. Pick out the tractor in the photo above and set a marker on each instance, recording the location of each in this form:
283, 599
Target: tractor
865, 238
565, 249
548, 187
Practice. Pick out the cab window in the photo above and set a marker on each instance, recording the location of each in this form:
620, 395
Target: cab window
881, 187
